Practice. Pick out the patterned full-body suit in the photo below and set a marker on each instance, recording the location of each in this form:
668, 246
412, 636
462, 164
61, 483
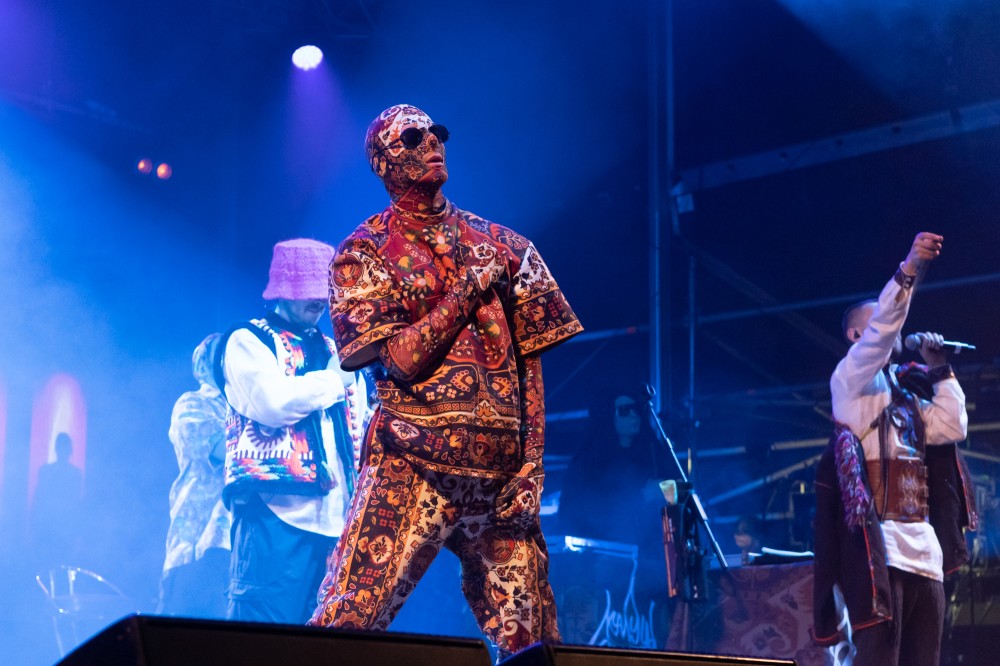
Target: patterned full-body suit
453, 454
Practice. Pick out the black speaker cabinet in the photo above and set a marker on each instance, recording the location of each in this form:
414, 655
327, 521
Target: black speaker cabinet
544, 654
148, 640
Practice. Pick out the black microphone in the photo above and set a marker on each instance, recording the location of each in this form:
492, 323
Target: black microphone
914, 340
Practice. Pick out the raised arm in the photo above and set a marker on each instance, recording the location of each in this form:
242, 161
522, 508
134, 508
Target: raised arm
873, 341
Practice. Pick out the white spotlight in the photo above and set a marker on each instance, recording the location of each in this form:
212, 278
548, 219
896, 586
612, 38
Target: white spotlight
307, 57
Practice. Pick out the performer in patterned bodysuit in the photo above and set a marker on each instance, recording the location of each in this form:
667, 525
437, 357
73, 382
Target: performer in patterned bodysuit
448, 314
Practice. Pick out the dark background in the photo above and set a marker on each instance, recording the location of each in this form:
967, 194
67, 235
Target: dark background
113, 277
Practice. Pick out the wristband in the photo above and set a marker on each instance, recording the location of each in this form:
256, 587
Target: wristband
904, 279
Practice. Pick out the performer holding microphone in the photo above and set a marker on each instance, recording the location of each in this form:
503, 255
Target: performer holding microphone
891, 494
914, 340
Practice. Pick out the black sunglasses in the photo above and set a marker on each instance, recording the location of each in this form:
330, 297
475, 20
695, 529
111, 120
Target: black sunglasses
412, 136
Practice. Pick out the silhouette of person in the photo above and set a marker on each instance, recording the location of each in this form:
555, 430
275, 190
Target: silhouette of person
55, 511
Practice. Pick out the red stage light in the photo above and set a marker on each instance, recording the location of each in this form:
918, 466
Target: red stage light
144, 166
164, 171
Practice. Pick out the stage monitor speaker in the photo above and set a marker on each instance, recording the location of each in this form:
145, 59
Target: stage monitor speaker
545, 654
148, 640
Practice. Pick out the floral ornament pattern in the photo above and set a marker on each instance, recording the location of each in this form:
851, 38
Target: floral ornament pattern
419, 284
440, 238
471, 390
399, 522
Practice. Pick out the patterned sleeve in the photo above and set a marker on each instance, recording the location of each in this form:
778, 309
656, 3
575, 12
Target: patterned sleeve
364, 307
542, 317
197, 424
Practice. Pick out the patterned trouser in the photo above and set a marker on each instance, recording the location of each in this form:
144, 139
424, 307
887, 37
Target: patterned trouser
399, 519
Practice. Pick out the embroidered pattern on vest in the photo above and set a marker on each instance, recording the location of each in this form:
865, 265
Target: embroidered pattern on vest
290, 457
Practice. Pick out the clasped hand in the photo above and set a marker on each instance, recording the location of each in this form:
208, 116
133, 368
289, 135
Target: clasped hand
484, 264
519, 501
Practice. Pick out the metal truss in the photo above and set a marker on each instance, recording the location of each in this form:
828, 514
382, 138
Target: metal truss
889, 136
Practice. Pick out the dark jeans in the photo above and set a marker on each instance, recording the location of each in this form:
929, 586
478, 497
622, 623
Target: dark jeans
275, 569
913, 636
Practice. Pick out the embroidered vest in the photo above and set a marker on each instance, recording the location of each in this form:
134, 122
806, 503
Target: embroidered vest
290, 459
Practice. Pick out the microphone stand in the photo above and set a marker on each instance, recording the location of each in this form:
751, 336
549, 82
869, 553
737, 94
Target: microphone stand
691, 504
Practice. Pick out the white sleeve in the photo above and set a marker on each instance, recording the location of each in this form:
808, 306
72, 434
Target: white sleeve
866, 357
945, 418
258, 389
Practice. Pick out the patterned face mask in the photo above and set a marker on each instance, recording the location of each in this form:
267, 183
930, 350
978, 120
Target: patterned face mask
397, 142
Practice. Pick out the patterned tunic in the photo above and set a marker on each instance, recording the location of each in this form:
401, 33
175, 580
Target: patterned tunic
197, 518
462, 414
